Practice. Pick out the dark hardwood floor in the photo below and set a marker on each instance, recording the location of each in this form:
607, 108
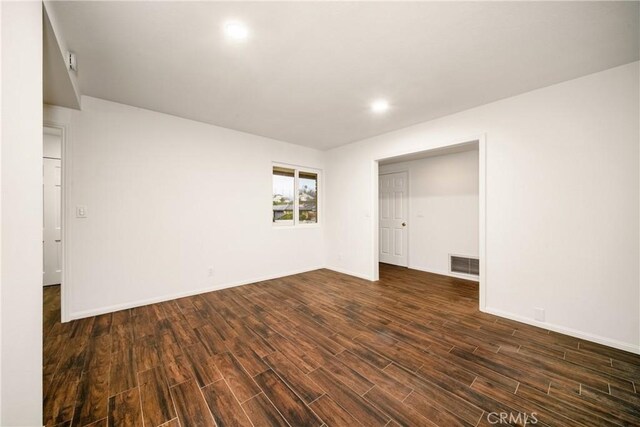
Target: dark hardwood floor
322, 348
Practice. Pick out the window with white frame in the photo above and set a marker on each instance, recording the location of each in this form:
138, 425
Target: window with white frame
295, 196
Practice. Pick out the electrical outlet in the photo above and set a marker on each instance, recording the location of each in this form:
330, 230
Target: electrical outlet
210, 271
538, 314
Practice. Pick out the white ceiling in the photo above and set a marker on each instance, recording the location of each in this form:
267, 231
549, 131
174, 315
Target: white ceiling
310, 69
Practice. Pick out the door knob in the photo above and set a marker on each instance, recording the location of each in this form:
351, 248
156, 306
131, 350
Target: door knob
404, 224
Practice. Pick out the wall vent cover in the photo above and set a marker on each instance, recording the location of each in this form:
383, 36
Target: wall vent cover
464, 265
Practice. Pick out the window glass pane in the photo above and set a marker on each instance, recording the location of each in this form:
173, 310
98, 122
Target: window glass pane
308, 197
283, 189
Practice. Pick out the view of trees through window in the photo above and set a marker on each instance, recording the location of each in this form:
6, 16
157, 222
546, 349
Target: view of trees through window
285, 209
308, 197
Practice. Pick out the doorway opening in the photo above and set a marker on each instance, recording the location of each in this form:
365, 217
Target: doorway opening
429, 210
53, 209
52, 206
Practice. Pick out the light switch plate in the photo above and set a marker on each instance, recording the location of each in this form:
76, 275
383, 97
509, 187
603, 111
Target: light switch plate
81, 211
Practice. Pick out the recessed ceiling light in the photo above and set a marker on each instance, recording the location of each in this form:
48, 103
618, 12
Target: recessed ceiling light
236, 31
379, 106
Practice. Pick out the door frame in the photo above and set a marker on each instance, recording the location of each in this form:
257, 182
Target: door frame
63, 217
481, 140
405, 170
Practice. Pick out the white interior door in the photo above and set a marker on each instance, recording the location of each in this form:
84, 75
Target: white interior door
393, 217
52, 222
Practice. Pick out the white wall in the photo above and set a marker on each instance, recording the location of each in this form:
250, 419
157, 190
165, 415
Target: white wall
52, 143
562, 202
443, 209
21, 211
168, 198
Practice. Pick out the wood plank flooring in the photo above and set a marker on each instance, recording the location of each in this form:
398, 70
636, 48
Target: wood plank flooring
323, 348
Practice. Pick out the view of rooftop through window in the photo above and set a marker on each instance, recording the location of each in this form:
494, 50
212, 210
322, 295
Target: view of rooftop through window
283, 189
284, 203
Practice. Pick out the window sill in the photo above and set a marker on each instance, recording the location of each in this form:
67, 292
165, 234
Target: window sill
289, 227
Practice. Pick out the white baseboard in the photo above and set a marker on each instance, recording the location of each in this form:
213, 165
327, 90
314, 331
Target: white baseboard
446, 273
632, 348
147, 301
350, 273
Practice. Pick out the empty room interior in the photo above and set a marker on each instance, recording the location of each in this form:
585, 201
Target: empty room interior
319, 213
